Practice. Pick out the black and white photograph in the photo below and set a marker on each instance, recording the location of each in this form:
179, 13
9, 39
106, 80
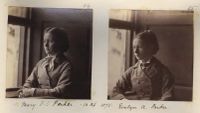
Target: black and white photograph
150, 55
49, 53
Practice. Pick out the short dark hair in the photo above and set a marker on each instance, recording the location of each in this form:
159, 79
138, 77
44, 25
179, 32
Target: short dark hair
150, 38
60, 37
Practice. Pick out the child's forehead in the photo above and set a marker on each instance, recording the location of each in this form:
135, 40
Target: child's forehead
48, 36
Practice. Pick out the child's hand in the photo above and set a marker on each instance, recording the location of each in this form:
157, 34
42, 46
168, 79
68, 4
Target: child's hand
26, 92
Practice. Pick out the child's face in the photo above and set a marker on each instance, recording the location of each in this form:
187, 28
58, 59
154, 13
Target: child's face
49, 44
141, 50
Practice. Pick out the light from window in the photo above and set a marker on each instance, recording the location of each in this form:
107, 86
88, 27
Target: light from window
116, 55
14, 34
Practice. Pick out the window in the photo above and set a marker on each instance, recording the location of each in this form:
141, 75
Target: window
117, 53
120, 33
15, 33
16, 40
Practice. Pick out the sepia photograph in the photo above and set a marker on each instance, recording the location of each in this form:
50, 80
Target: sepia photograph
49, 53
150, 55
104, 57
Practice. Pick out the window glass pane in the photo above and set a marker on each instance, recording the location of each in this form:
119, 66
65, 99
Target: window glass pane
17, 11
117, 54
14, 35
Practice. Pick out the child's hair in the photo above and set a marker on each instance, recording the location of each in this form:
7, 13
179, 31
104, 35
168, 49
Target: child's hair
60, 37
150, 38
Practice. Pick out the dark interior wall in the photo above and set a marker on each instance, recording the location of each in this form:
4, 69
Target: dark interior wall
78, 24
176, 51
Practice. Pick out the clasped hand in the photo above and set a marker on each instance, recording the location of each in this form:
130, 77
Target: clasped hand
26, 92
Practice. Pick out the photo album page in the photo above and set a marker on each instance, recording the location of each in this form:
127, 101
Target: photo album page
87, 56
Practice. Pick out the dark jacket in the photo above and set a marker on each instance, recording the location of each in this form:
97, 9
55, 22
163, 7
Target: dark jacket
151, 82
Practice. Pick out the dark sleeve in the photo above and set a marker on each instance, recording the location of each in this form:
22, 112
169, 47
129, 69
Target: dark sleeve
167, 85
122, 85
62, 90
32, 81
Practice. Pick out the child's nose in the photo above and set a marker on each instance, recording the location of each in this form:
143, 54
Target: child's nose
45, 44
135, 50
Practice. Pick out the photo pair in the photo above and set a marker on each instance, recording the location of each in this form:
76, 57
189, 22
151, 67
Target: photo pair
50, 52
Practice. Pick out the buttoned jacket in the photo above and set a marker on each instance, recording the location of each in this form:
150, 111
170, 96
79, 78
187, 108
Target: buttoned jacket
51, 82
153, 82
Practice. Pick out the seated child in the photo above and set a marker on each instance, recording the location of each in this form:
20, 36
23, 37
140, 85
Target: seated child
148, 79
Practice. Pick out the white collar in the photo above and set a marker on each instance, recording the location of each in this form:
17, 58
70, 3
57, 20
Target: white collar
148, 61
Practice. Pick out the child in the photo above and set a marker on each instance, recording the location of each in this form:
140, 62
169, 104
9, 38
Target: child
52, 75
148, 79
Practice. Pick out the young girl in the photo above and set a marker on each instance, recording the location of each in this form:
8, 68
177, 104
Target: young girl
52, 75
148, 79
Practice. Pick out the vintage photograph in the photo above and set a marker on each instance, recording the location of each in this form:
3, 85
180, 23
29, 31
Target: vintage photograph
150, 55
49, 53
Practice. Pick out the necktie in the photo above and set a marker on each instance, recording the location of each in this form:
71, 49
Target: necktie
144, 65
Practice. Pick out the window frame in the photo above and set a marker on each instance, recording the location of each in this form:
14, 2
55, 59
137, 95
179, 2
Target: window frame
24, 46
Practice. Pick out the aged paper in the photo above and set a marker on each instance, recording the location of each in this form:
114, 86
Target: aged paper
99, 71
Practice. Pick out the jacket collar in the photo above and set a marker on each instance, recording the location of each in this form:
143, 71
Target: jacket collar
152, 69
